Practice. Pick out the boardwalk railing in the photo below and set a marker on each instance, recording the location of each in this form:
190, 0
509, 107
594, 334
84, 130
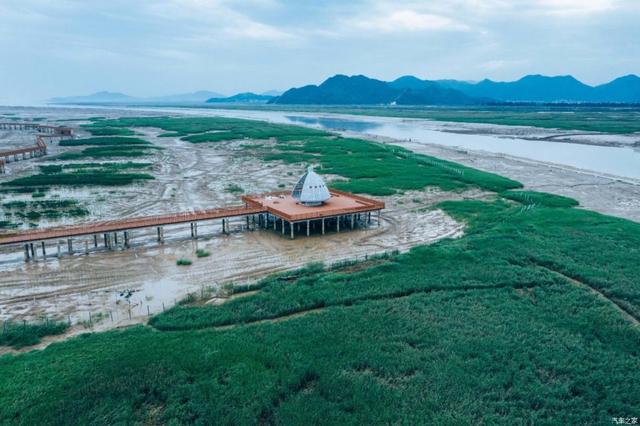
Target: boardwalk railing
127, 224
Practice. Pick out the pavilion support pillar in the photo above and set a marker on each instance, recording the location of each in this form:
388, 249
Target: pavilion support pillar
115, 239
247, 219
69, 245
95, 241
275, 224
106, 240
338, 224
292, 230
282, 222
160, 234
86, 248
224, 227
192, 232
27, 256
44, 250
58, 249
378, 218
353, 223
369, 218
323, 226
126, 239
308, 224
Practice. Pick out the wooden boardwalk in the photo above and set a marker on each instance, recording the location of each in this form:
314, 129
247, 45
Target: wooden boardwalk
126, 224
40, 147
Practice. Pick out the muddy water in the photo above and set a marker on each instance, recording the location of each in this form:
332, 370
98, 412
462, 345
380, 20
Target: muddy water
191, 177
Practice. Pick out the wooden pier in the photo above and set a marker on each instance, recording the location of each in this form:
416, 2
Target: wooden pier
269, 211
40, 147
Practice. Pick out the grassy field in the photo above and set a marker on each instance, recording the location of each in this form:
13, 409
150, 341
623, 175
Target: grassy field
530, 318
85, 178
21, 335
502, 326
380, 169
587, 119
207, 129
104, 141
394, 168
107, 147
84, 174
109, 131
49, 209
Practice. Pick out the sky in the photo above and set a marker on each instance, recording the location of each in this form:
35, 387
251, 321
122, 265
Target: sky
159, 47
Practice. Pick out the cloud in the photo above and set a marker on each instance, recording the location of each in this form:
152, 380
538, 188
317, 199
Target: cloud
575, 7
219, 18
405, 20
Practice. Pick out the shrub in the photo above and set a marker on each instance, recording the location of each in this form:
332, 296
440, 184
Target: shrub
202, 253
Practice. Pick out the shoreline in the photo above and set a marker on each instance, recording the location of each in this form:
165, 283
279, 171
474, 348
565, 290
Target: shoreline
600, 192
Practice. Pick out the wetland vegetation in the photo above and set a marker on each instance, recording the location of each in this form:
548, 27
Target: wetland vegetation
19, 335
530, 317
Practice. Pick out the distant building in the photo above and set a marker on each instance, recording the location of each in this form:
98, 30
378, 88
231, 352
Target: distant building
64, 131
311, 189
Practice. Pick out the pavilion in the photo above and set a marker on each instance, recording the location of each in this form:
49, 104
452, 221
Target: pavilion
312, 206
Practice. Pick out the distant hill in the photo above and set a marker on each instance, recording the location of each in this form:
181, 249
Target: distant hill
121, 98
272, 93
539, 88
361, 90
623, 89
102, 97
410, 90
532, 88
247, 97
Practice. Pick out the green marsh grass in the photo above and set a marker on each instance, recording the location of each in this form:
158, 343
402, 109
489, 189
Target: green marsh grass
527, 318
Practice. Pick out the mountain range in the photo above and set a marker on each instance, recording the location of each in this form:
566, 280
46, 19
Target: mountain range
245, 98
410, 90
407, 90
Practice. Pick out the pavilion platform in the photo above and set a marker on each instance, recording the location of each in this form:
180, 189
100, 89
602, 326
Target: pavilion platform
284, 213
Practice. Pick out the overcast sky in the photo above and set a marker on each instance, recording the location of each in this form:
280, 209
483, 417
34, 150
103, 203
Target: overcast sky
154, 47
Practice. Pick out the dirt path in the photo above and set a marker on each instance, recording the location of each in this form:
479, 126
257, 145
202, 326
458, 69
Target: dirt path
629, 316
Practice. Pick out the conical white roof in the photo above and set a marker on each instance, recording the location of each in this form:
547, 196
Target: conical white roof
311, 189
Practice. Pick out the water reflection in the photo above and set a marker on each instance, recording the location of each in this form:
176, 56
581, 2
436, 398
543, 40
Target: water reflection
334, 123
